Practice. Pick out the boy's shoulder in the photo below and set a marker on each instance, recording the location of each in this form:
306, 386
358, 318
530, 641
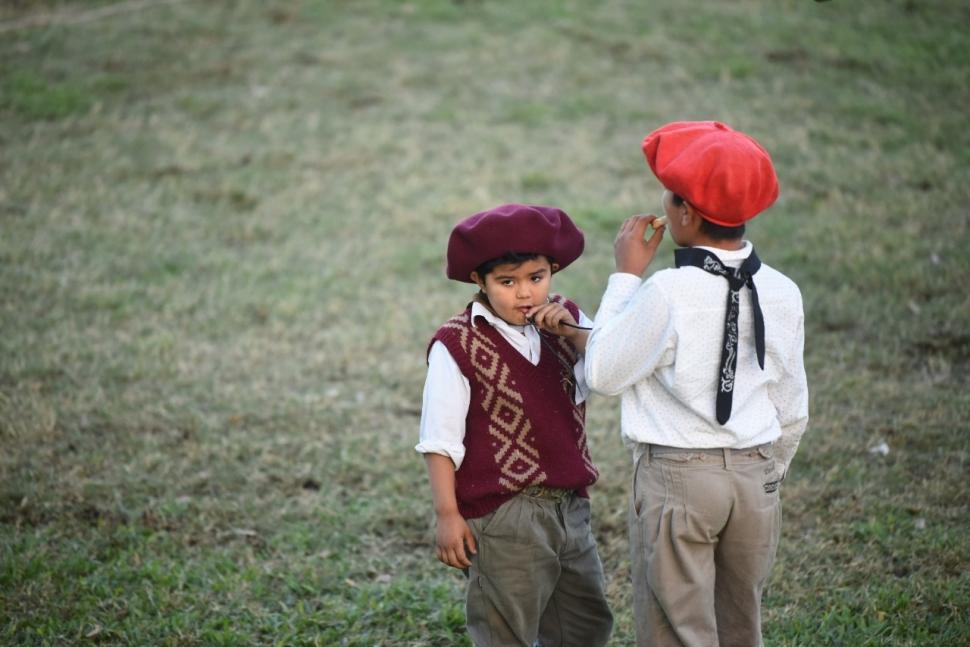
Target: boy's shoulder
673, 276
454, 324
671, 280
767, 272
454, 334
774, 286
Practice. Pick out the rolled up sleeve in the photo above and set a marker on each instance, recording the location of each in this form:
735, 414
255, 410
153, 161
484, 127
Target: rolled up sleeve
447, 395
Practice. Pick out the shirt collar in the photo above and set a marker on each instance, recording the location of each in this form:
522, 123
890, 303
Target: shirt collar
731, 255
479, 310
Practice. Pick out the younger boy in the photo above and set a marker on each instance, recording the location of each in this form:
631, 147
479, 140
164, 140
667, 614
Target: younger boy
502, 432
707, 358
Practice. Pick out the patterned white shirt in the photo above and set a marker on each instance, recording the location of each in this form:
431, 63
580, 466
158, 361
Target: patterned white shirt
657, 344
447, 392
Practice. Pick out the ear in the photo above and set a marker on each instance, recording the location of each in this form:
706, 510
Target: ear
478, 279
688, 214
555, 267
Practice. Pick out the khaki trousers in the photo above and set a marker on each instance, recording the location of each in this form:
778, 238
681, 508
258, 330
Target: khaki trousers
537, 578
704, 528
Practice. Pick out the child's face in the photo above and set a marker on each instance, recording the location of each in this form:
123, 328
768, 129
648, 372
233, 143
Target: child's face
513, 289
675, 215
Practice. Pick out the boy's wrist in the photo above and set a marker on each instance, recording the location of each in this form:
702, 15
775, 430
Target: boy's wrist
626, 267
446, 511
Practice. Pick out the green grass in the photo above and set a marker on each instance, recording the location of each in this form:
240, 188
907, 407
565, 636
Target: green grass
222, 228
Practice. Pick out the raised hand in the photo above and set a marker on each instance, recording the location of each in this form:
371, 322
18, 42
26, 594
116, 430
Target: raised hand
633, 253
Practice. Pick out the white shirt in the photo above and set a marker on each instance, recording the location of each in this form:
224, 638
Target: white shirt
447, 392
657, 344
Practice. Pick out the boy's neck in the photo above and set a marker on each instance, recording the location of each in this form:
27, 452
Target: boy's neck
706, 241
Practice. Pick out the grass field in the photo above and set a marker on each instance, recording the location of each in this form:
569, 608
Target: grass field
223, 226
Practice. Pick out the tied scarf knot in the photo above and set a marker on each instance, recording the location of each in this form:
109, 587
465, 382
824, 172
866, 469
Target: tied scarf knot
737, 279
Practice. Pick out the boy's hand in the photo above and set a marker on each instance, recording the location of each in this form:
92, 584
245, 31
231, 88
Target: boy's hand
550, 317
553, 317
633, 254
452, 536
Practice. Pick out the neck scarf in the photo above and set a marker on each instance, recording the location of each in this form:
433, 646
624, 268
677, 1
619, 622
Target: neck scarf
737, 279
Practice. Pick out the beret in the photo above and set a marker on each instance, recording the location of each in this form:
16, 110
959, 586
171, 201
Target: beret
723, 173
522, 228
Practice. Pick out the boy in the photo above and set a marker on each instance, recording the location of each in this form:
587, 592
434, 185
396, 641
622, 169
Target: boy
502, 432
707, 358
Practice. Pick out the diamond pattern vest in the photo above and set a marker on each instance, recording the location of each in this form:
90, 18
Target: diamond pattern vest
523, 427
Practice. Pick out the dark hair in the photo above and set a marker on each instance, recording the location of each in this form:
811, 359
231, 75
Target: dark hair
508, 258
713, 230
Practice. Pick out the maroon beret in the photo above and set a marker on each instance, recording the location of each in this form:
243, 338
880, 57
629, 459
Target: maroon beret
522, 228
723, 173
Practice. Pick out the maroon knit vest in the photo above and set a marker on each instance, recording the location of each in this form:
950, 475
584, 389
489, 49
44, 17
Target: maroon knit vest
522, 427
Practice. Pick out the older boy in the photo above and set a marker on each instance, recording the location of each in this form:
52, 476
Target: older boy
707, 358
503, 435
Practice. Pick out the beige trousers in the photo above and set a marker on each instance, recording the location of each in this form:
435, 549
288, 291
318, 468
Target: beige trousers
537, 578
704, 528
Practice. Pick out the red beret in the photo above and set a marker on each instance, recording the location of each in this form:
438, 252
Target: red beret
723, 173
522, 228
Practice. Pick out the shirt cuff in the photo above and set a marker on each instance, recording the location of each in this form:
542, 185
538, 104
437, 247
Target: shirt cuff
455, 453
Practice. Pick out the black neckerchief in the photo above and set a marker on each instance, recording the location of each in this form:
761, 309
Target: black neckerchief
737, 279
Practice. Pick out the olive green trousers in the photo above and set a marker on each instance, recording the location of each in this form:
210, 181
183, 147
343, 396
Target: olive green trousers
537, 578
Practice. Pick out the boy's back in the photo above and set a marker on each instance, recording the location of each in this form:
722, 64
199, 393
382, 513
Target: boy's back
678, 314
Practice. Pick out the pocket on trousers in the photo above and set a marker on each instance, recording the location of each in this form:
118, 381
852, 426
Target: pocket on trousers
637, 501
579, 513
651, 488
506, 521
583, 508
478, 524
